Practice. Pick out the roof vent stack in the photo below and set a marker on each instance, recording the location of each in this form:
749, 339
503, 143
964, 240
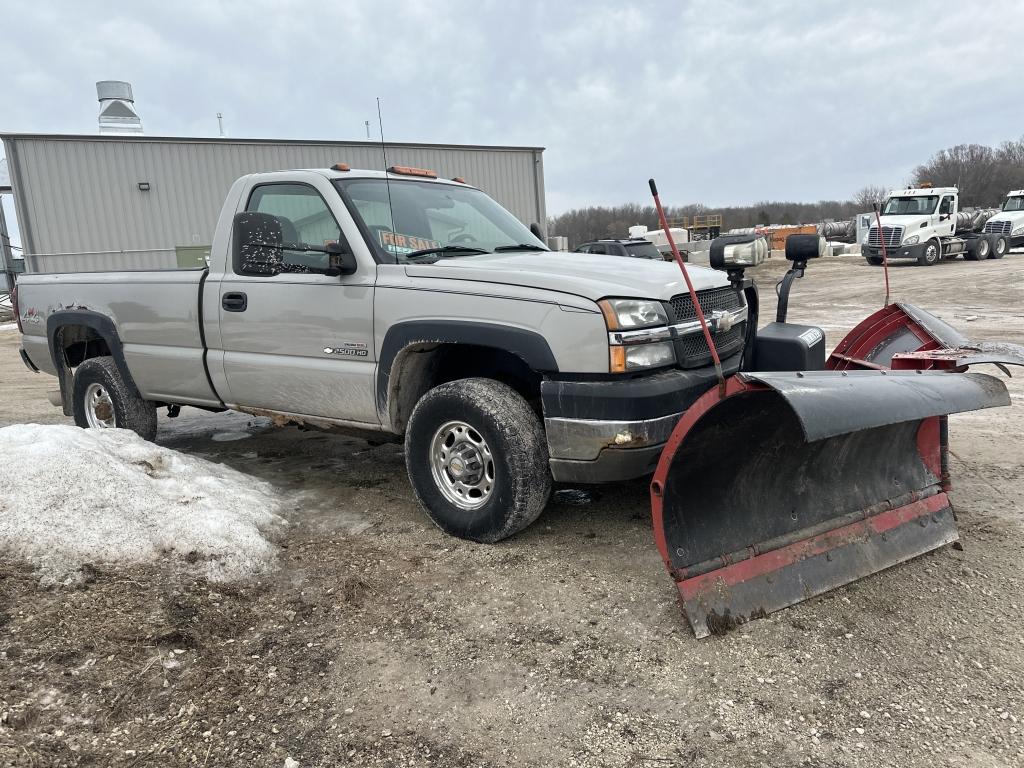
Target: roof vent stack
117, 108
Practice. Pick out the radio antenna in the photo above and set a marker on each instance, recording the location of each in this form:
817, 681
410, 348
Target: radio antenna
384, 154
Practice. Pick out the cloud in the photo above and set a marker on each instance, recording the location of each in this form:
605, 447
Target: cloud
723, 101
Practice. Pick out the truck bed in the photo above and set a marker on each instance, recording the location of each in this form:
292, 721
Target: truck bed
156, 316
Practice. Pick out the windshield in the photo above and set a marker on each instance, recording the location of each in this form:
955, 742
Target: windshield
910, 206
643, 251
427, 216
1014, 204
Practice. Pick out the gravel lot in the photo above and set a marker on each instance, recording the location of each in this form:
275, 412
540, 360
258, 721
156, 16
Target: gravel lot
380, 641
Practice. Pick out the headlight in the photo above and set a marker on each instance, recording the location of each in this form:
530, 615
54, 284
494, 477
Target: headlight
1019, 230
912, 240
630, 314
640, 356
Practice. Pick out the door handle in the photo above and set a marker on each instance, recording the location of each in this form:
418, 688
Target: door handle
234, 302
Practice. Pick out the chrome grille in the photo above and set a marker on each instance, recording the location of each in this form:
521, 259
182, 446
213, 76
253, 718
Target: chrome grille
893, 237
692, 351
998, 227
710, 300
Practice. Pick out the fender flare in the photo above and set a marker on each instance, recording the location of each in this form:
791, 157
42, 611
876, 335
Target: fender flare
106, 330
529, 346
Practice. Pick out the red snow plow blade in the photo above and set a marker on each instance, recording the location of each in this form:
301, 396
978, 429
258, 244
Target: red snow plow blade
791, 484
902, 336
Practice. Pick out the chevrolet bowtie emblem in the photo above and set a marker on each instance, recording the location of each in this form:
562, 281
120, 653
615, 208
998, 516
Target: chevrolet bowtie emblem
721, 321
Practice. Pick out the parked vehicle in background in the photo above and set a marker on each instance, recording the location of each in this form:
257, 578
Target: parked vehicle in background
634, 248
923, 224
1009, 223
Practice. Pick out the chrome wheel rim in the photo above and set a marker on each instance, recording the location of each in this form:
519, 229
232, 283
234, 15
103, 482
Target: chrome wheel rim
99, 408
462, 465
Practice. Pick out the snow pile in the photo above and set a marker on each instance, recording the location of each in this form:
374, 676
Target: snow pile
70, 496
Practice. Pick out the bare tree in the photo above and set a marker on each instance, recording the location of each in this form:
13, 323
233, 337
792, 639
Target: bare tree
866, 197
971, 167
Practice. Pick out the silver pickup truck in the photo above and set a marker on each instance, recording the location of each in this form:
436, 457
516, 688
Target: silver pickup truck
406, 304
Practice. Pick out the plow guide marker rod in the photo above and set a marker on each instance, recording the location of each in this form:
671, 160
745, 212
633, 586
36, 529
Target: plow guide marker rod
689, 286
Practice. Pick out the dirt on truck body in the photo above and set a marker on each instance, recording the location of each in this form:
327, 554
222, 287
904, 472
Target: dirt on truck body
381, 641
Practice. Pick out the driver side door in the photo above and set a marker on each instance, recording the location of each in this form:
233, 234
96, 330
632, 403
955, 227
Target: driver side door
947, 214
300, 341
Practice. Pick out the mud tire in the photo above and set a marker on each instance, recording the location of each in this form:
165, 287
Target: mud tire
515, 437
130, 411
874, 261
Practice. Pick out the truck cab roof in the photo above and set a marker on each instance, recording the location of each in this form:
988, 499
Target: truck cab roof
923, 191
394, 172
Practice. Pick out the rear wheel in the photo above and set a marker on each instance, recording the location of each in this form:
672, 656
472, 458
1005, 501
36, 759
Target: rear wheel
874, 261
1000, 247
477, 459
978, 250
101, 400
931, 254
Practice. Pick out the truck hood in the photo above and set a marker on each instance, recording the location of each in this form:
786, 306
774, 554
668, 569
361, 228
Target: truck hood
907, 222
592, 276
1014, 217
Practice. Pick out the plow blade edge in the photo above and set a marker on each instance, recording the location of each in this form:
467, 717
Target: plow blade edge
792, 484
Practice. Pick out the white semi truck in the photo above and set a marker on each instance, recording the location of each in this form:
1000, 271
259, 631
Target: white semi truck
1008, 223
922, 223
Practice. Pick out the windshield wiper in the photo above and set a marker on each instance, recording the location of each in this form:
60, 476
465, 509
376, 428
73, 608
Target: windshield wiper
521, 247
442, 250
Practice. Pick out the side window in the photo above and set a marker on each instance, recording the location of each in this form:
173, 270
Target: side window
947, 205
583, 249
305, 220
598, 248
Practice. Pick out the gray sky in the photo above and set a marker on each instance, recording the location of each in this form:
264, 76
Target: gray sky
724, 102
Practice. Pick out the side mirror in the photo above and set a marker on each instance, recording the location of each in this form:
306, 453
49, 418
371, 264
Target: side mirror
342, 260
256, 244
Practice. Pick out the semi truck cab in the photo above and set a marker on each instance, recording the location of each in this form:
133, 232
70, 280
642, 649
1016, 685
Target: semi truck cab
921, 223
1009, 222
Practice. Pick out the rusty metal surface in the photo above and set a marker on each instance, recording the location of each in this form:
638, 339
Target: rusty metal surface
1000, 353
724, 599
942, 332
830, 403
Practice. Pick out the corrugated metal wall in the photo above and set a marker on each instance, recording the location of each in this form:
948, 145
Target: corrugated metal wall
77, 194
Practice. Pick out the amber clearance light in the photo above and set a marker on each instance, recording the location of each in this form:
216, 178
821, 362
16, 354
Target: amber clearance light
405, 170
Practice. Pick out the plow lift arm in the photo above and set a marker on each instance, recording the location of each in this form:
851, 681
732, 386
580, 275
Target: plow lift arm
805, 474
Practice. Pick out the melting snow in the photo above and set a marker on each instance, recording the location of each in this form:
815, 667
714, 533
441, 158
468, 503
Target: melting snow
71, 496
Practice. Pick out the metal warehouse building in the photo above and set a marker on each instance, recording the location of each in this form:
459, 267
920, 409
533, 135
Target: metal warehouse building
87, 203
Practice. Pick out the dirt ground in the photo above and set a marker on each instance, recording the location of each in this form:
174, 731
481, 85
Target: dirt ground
378, 640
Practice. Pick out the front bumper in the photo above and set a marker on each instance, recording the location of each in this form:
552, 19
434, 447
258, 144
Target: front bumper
900, 252
610, 430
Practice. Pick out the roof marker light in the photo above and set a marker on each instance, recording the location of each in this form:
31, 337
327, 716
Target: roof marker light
459, 179
340, 167
405, 170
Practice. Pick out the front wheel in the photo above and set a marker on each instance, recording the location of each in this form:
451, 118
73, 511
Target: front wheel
1000, 247
930, 255
102, 400
874, 261
477, 459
